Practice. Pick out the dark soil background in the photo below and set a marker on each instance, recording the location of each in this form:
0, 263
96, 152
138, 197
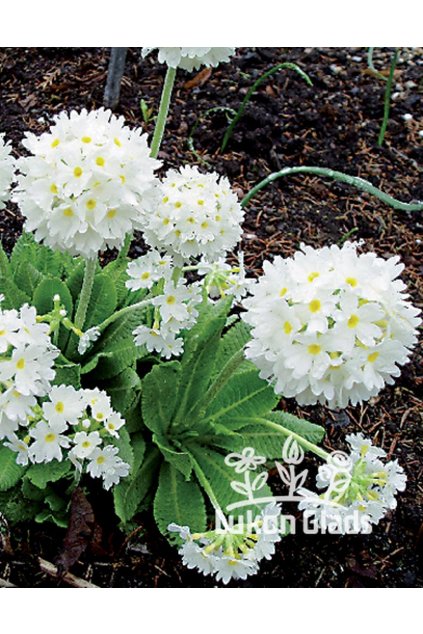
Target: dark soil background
333, 124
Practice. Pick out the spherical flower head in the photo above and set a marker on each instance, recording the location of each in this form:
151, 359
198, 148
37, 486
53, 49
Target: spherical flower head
194, 215
82, 187
330, 325
232, 553
190, 58
7, 170
359, 488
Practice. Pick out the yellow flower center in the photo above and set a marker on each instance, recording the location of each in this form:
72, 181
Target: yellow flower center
122, 179
313, 276
165, 199
170, 299
77, 172
91, 204
178, 205
353, 321
20, 364
200, 202
287, 328
50, 437
352, 281
314, 348
145, 275
100, 416
283, 291
204, 225
86, 139
101, 460
53, 188
86, 444
315, 306
372, 357
117, 142
111, 213
100, 161
55, 143
2, 333
68, 212
59, 407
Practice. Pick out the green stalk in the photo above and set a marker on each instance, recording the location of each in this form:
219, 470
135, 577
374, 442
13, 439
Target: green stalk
387, 99
355, 181
123, 311
309, 446
206, 485
163, 111
86, 291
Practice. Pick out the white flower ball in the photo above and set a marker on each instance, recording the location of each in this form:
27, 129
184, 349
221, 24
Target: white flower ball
329, 325
7, 170
191, 58
195, 215
82, 188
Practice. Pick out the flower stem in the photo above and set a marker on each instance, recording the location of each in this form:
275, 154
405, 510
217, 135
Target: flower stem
309, 446
163, 111
86, 291
123, 311
355, 181
206, 485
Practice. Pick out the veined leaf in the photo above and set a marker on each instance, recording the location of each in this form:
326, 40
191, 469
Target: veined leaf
180, 460
124, 390
178, 501
41, 474
13, 296
232, 342
103, 300
10, 472
160, 389
119, 356
45, 292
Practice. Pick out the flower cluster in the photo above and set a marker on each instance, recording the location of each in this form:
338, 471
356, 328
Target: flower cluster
222, 280
82, 422
174, 304
360, 488
193, 215
330, 325
234, 553
190, 58
82, 188
7, 170
27, 358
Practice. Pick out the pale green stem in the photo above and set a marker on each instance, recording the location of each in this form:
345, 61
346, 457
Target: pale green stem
206, 485
355, 181
123, 311
309, 446
87, 287
163, 111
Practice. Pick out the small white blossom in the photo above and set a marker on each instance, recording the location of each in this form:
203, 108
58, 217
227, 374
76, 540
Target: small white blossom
85, 443
148, 269
49, 442
7, 170
88, 338
106, 464
191, 58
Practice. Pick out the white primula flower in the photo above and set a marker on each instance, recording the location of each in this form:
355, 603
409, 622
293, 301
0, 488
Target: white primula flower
147, 270
85, 443
190, 58
66, 405
20, 447
113, 423
158, 340
193, 215
87, 339
7, 170
105, 463
49, 441
329, 325
359, 489
234, 553
83, 186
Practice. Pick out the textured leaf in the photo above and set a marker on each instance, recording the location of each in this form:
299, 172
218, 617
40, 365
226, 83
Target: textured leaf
27, 277
245, 394
232, 342
118, 357
10, 472
117, 271
41, 474
124, 390
69, 374
5, 268
103, 300
130, 491
160, 389
178, 501
45, 292
13, 296
180, 460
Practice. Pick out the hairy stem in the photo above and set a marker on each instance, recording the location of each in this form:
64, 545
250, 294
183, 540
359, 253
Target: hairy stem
163, 111
355, 181
124, 311
309, 446
86, 291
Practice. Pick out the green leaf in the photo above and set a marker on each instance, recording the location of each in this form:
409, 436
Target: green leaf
245, 395
45, 292
232, 342
5, 268
178, 501
119, 356
103, 300
124, 390
310, 431
42, 258
13, 296
75, 280
117, 270
68, 374
130, 491
125, 448
180, 460
10, 472
199, 358
27, 277
41, 474
160, 389
121, 329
